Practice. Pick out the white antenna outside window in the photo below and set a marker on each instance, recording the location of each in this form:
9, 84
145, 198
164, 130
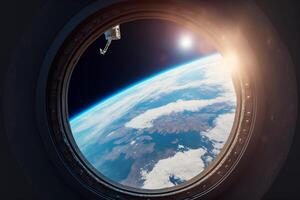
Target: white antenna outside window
112, 34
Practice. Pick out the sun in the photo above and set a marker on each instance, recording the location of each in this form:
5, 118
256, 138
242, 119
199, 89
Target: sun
185, 42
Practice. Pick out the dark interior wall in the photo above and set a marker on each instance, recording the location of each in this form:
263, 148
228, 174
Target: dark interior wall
285, 17
16, 17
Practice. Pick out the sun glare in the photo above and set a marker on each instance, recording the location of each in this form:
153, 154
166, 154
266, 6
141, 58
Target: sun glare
186, 42
231, 61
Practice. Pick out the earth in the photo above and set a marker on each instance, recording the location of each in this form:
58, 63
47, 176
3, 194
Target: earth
162, 131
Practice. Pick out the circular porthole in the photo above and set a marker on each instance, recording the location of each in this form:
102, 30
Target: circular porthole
175, 131
165, 135
162, 131
160, 115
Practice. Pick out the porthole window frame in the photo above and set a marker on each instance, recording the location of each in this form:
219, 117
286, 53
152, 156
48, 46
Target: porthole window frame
57, 87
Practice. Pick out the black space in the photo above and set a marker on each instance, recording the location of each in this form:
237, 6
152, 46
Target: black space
146, 48
16, 17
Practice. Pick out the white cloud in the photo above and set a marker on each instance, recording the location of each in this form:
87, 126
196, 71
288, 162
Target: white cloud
183, 165
146, 119
220, 133
188, 164
208, 159
111, 133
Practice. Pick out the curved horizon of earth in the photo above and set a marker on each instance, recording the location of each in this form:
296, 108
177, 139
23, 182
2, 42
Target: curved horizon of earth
164, 130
